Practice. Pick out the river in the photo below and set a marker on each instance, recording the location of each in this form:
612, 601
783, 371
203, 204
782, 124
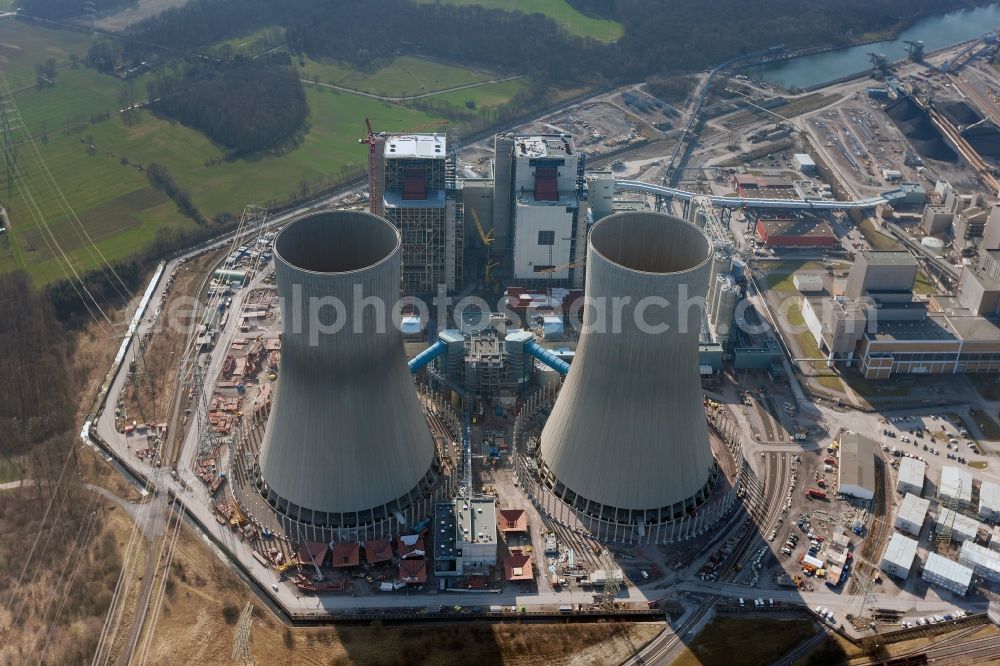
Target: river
935, 31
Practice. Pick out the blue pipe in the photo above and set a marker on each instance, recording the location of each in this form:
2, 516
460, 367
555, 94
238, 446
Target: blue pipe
418, 362
546, 357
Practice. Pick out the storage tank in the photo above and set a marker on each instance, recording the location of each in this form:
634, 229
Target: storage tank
933, 245
627, 438
346, 445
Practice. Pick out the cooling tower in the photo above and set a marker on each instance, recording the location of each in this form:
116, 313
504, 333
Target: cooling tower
627, 439
346, 443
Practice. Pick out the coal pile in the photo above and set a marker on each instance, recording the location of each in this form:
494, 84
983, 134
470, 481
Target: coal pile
985, 138
959, 113
917, 127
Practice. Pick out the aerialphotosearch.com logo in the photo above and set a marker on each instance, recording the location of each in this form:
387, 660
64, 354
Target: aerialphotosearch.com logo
677, 312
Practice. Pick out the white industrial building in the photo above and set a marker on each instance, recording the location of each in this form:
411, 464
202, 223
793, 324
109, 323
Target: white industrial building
984, 562
963, 528
989, 501
548, 231
899, 556
956, 483
476, 535
911, 514
808, 282
911, 476
948, 574
804, 163
856, 474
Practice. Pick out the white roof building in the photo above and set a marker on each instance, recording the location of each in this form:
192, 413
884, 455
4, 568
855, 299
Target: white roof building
963, 528
807, 282
948, 574
856, 474
804, 162
989, 501
911, 476
911, 514
899, 556
984, 562
956, 483
425, 146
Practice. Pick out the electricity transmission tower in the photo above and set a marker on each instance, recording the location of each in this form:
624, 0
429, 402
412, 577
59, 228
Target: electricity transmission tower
241, 637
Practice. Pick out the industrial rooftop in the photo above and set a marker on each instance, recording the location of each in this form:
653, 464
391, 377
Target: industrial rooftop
425, 146
550, 145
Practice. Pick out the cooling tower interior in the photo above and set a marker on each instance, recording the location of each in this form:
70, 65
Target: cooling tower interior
346, 443
627, 439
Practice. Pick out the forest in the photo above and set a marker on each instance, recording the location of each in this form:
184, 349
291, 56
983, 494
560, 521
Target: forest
660, 37
246, 105
62, 9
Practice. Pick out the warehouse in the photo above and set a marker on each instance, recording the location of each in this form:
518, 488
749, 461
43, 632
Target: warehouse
912, 512
984, 562
805, 231
950, 575
956, 484
856, 474
899, 556
989, 501
804, 163
963, 528
911, 476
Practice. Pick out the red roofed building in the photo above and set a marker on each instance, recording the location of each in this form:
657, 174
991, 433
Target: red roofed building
413, 572
518, 567
346, 554
378, 550
513, 520
411, 545
312, 552
807, 231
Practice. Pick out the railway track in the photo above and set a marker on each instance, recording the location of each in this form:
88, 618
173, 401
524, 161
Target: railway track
867, 563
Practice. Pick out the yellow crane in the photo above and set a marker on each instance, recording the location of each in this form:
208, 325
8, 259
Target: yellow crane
487, 238
576, 263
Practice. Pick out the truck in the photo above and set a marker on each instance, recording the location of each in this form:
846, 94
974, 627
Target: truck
816, 493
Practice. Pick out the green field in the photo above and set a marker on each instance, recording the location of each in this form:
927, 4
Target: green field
487, 96
112, 197
403, 77
560, 11
22, 46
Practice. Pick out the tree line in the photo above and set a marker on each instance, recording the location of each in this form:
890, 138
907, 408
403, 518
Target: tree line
63, 9
659, 38
246, 105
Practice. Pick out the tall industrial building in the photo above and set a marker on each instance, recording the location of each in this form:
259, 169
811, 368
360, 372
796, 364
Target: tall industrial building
537, 213
627, 442
419, 196
346, 446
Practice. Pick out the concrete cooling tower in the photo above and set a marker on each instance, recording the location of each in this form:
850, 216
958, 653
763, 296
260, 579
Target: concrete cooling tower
627, 441
347, 444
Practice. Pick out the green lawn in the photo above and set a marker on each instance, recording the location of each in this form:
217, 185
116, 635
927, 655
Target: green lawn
923, 285
758, 640
877, 239
122, 212
8, 470
560, 11
22, 46
484, 97
403, 77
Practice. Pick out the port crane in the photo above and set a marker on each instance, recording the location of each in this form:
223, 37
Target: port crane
915, 49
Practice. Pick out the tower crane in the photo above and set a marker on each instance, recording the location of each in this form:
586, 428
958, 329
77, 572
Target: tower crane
374, 140
573, 264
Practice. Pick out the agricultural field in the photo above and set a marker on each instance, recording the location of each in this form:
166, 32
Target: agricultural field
96, 162
483, 97
22, 46
405, 76
560, 11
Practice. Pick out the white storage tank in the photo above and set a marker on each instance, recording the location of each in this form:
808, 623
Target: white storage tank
933, 245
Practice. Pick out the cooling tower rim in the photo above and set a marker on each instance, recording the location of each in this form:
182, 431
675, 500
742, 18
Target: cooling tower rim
376, 221
679, 223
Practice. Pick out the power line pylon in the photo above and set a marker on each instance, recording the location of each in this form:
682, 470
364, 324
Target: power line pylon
241, 636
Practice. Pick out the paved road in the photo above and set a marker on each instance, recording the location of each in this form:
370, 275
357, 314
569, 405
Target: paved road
406, 98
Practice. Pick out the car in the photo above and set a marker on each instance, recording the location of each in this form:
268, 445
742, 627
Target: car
921, 621
274, 586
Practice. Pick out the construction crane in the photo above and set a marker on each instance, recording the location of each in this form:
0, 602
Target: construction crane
573, 264
485, 236
915, 49
374, 140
